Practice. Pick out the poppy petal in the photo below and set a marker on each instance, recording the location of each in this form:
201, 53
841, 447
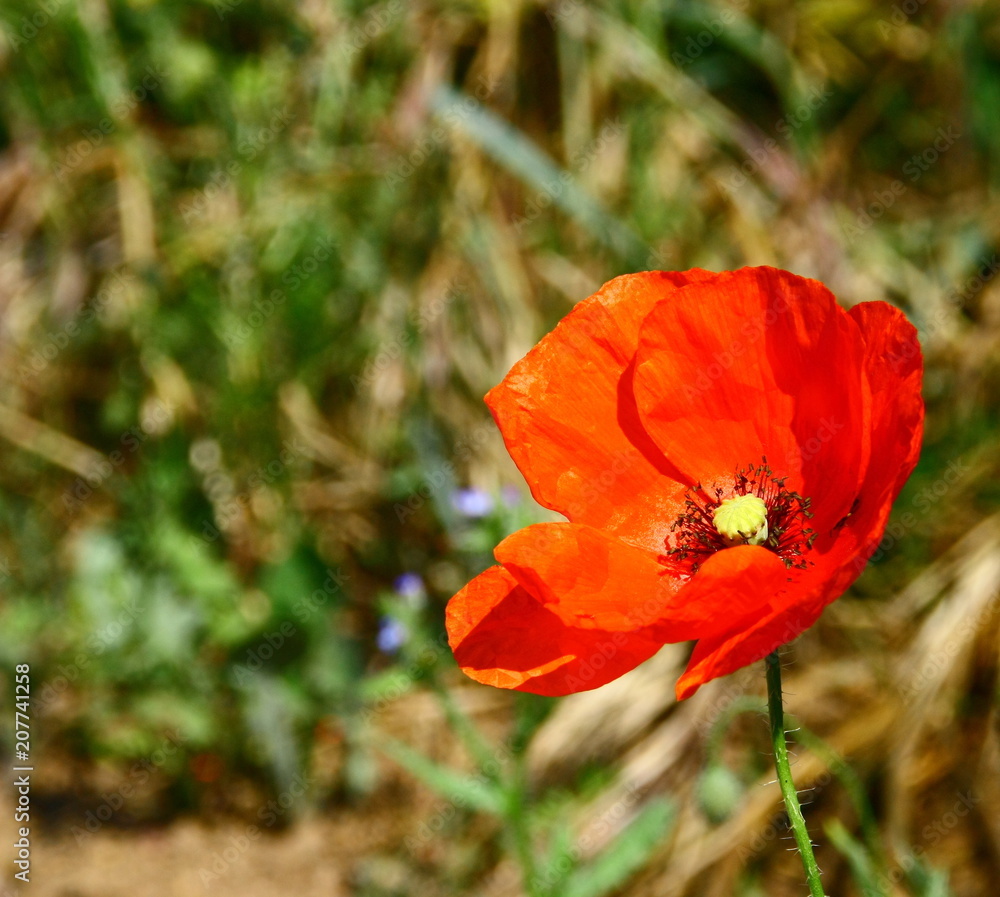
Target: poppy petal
758, 362
569, 420
736, 584
745, 644
893, 367
502, 636
590, 579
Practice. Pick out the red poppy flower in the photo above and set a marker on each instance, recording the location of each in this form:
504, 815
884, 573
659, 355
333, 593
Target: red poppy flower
725, 447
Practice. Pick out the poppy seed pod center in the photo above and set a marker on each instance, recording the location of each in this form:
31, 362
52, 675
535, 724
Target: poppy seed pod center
742, 520
755, 509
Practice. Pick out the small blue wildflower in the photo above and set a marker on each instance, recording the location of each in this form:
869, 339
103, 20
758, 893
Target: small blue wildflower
392, 635
472, 502
409, 585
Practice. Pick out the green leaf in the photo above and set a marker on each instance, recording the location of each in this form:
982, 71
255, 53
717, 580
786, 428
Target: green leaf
475, 792
926, 881
271, 708
522, 157
857, 858
559, 859
626, 855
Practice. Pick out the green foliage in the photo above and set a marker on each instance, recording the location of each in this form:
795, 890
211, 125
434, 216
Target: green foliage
261, 262
719, 792
464, 791
625, 856
861, 864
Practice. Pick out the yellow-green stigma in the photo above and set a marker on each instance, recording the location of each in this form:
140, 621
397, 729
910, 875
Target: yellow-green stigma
742, 520
755, 508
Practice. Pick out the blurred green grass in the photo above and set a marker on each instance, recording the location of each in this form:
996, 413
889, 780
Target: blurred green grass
326, 230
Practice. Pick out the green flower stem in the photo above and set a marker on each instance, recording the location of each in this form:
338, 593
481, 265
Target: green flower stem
788, 792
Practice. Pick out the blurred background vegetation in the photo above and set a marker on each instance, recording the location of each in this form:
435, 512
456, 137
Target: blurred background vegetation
259, 262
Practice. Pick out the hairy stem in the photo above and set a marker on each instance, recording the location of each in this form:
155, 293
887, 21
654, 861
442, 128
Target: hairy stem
777, 715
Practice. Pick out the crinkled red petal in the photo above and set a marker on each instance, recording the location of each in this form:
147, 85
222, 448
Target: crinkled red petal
758, 362
734, 585
728, 652
590, 579
893, 369
503, 636
568, 415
